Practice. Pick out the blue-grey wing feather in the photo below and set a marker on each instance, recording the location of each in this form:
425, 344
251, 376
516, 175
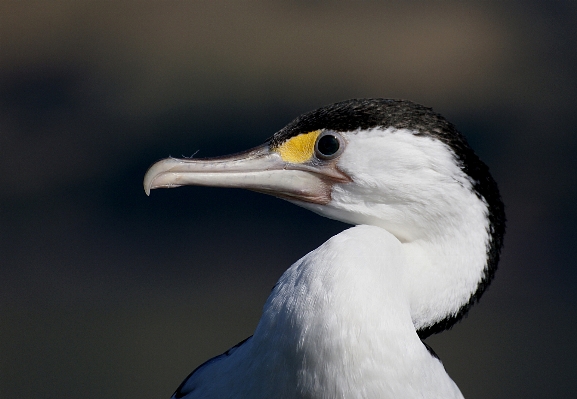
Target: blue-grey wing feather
190, 384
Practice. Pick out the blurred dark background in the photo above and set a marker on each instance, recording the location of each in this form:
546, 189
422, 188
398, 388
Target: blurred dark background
107, 293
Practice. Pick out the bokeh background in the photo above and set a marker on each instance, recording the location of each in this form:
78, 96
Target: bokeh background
107, 293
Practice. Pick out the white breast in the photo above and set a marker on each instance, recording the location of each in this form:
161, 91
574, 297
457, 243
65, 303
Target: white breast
337, 325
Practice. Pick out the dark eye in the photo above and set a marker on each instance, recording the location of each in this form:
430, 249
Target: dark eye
328, 146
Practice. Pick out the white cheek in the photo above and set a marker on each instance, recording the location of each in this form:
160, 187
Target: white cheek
396, 160
401, 181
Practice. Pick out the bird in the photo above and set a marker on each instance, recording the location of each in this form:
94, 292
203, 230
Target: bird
348, 319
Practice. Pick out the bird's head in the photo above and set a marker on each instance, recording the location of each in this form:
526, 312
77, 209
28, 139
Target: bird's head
390, 163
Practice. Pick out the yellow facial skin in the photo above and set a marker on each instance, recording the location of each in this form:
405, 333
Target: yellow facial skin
298, 149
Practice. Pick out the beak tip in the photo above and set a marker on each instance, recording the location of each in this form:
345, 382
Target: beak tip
147, 183
156, 170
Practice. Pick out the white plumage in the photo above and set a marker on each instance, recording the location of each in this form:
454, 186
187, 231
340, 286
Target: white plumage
346, 320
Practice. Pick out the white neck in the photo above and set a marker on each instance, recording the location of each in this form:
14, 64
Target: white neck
445, 270
340, 318
337, 325
416, 191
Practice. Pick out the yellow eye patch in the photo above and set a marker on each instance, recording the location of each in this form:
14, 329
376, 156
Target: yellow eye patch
298, 149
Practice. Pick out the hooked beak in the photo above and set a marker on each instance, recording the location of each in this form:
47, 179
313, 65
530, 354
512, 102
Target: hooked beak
259, 169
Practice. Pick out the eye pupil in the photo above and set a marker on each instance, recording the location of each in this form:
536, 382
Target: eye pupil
328, 145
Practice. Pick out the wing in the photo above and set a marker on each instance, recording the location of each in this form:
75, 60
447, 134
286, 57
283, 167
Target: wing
192, 382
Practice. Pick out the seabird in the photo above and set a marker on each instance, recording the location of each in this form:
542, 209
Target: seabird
347, 320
